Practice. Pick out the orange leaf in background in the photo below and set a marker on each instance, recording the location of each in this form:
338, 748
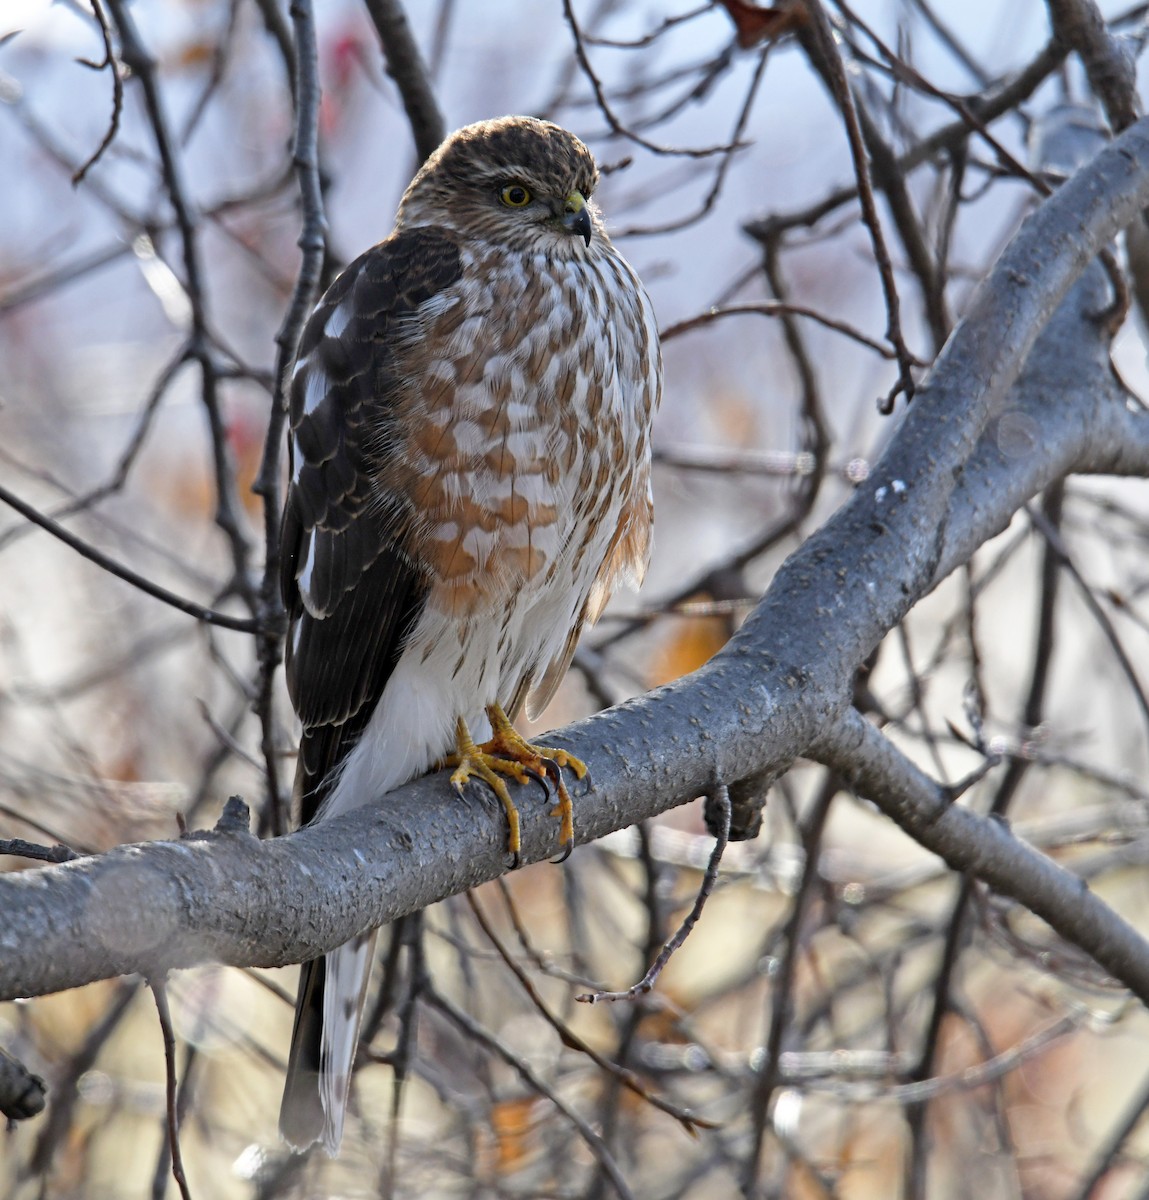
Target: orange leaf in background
692, 641
753, 24
195, 54
188, 486
515, 1125
124, 767
245, 436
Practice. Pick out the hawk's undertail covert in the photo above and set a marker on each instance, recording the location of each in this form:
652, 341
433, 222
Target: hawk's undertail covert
470, 418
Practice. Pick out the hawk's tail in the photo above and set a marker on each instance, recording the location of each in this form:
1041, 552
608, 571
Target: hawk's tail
328, 1012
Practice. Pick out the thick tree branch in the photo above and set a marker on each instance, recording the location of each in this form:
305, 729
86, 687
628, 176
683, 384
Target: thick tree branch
406, 66
988, 850
949, 480
1111, 69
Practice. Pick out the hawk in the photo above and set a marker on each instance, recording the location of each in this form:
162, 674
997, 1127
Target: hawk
470, 452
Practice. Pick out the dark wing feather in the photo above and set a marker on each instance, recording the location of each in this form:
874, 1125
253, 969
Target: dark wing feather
350, 584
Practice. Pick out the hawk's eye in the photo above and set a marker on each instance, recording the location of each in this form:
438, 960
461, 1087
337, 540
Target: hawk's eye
514, 195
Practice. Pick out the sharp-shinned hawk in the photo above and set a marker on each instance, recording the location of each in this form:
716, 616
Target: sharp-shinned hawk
470, 417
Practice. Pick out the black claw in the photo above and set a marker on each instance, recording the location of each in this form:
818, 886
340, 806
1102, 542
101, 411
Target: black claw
539, 777
567, 848
553, 772
516, 860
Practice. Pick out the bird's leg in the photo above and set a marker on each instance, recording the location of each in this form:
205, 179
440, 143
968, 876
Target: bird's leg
509, 753
548, 760
475, 762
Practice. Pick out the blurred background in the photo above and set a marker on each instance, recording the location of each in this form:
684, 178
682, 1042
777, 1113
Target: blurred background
848, 1018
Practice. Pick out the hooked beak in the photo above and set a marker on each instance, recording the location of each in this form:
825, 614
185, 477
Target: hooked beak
576, 216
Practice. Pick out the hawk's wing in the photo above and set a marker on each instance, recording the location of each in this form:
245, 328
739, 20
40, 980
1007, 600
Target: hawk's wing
351, 585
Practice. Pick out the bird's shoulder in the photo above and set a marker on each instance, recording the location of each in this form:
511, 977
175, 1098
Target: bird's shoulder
384, 285
348, 374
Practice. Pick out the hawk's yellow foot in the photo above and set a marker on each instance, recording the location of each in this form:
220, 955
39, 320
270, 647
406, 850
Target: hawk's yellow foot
508, 753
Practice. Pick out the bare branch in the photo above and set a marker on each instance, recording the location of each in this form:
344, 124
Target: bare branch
720, 803
1112, 72
628, 1079
312, 242
777, 308
617, 125
228, 515
88, 551
988, 850
18, 847
823, 51
406, 66
109, 63
592, 1139
160, 995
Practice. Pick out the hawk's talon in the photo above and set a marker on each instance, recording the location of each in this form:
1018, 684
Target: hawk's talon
508, 753
564, 810
472, 762
566, 853
564, 758
540, 777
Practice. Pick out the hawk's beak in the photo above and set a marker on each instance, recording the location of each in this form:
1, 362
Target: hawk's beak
576, 216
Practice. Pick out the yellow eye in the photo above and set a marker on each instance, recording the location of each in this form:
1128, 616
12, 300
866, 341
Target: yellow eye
514, 195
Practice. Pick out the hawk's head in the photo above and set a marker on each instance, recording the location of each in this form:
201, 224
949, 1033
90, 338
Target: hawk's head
517, 181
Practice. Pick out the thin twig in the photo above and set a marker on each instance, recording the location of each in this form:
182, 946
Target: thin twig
137, 441
571, 1039
19, 848
228, 513
313, 244
1005, 99
777, 308
86, 550
647, 39
720, 801
1109, 1158
822, 36
159, 992
225, 43
616, 124
483, 1036
109, 63
163, 1168
1057, 543
783, 980
724, 164
904, 72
